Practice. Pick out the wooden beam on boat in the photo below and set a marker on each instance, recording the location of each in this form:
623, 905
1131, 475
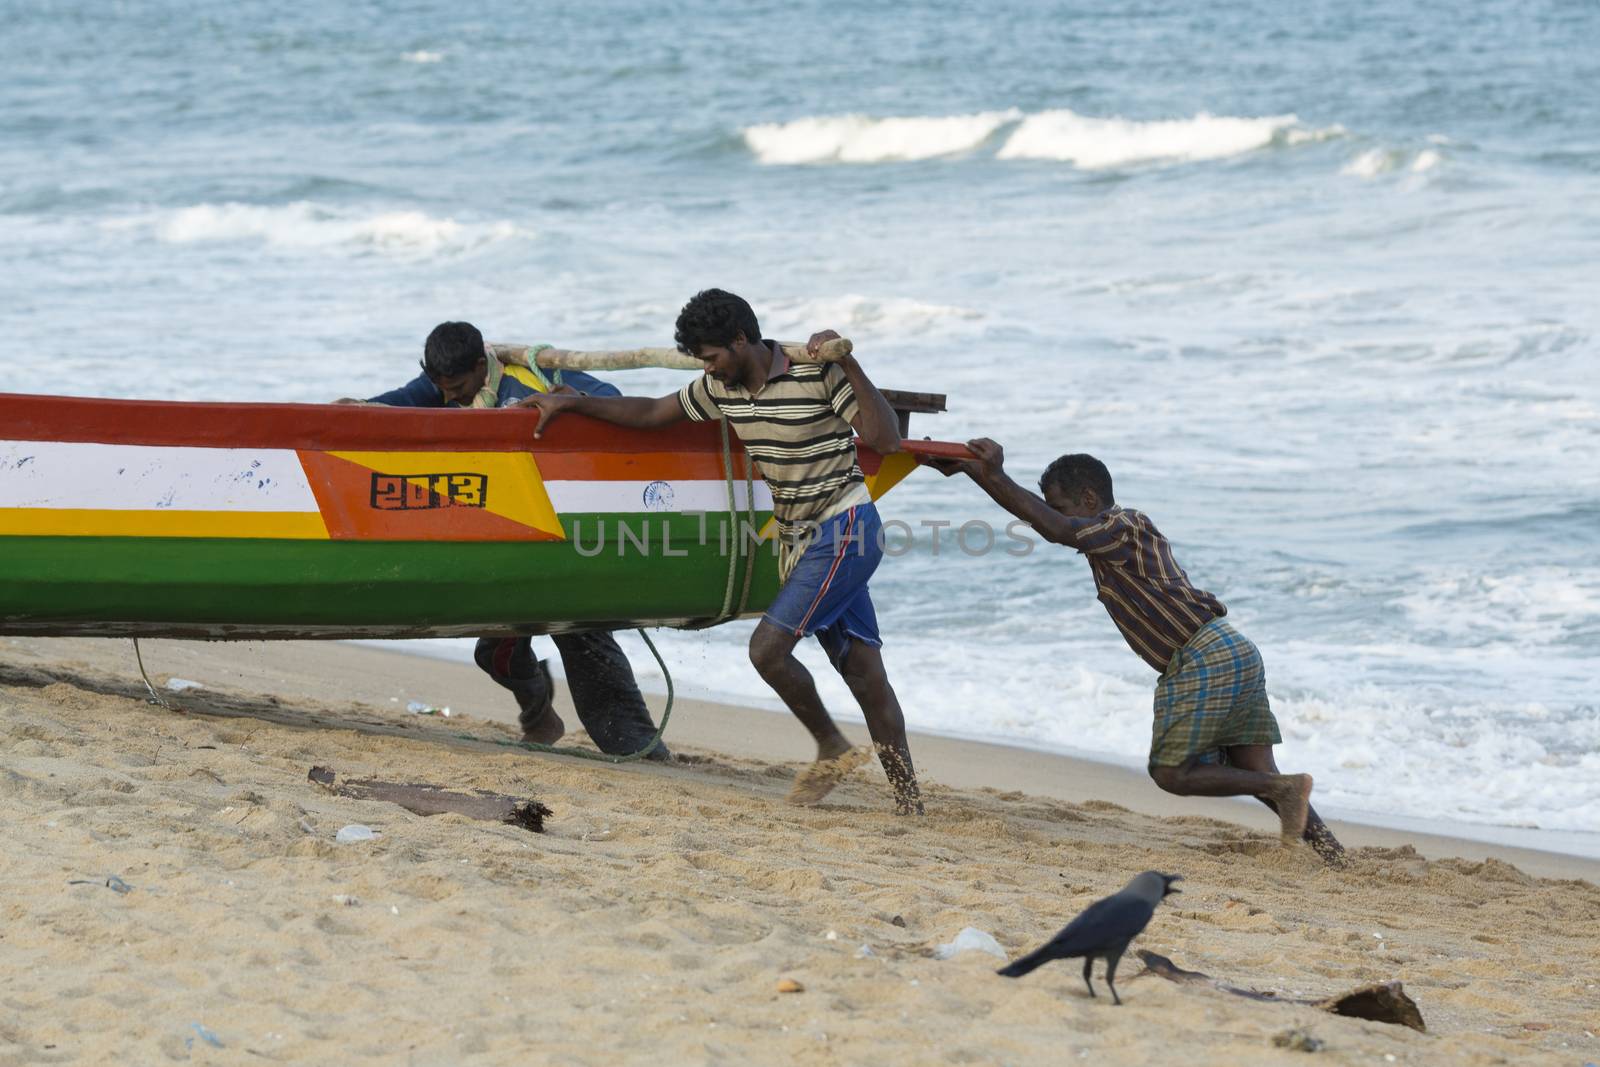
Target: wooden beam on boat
903, 402
635, 358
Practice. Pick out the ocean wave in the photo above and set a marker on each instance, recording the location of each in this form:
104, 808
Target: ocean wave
1064, 136
1497, 764
422, 56
1377, 161
862, 139
1097, 144
307, 225
1538, 606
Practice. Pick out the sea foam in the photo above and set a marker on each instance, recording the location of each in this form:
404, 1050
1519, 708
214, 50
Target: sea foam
1376, 161
1096, 143
304, 224
1084, 141
862, 139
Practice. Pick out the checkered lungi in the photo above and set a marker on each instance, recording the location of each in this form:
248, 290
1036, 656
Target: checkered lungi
1211, 696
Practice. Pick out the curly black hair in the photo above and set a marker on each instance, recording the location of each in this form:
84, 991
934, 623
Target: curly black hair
714, 317
1077, 472
452, 349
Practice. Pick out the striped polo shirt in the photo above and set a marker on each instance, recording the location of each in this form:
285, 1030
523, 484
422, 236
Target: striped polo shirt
797, 429
1145, 591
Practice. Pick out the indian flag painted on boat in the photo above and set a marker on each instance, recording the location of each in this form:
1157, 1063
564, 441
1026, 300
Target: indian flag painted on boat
132, 517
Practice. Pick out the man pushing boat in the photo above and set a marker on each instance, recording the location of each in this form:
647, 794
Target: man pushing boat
798, 422
457, 371
1214, 730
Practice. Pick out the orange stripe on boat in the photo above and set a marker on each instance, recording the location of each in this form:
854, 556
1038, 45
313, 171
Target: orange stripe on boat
638, 466
432, 496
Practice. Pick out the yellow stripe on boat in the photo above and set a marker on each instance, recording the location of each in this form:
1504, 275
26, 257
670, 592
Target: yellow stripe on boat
94, 522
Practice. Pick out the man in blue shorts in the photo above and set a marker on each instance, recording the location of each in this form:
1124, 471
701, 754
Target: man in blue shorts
798, 421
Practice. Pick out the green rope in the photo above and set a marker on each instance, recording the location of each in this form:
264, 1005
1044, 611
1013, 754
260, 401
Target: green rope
733, 520
739, 555
587, 753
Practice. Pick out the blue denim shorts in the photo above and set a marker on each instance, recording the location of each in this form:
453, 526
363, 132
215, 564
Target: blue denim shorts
826, 594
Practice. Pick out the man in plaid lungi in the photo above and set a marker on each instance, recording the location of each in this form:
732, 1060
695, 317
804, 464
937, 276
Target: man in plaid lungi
1214, 729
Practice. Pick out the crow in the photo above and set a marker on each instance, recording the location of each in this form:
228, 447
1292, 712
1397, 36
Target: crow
1103, 930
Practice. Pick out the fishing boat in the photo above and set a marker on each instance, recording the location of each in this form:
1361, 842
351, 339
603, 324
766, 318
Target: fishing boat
132, 518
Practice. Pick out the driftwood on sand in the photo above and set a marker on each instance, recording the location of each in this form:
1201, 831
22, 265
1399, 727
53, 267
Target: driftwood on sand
425, 799
1385, 1002
633, 358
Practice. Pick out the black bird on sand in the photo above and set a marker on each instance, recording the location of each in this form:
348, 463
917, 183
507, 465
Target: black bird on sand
1103, 930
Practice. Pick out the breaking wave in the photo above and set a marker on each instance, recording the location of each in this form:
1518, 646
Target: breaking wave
862, 139
305, 224
1097, 144
1086, 142
1376, 161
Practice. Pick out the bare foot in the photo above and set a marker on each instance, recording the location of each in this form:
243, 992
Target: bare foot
546, 730
818, 780
1292, 793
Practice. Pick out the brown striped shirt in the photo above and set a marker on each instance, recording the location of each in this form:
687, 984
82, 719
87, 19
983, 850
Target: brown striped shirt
1143, 588
797, 429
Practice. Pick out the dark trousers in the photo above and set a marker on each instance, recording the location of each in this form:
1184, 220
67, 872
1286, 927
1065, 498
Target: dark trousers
604, 692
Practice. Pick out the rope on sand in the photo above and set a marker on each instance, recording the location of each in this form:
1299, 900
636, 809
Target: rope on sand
589, 753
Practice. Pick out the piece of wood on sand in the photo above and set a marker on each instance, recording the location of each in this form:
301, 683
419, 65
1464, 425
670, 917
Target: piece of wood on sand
425, 799
1385, 1002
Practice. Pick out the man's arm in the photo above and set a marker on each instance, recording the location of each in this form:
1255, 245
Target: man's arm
988, 471
637, 412
875, 420
419, 392
588, 384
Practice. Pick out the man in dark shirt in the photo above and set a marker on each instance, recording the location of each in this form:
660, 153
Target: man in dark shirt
1214, 729
458, 371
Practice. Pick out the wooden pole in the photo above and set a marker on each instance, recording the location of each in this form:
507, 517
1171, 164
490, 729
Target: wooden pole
634, 358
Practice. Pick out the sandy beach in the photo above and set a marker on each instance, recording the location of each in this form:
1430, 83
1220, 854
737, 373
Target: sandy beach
655, 918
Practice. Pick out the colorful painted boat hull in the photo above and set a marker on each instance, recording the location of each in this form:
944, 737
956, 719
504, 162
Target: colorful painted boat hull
137, 518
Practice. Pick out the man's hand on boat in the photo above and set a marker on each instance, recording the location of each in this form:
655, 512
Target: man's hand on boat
983, 457
549, 406
638, 412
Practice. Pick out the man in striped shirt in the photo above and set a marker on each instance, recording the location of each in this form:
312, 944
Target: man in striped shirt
1214, 729
799, 422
